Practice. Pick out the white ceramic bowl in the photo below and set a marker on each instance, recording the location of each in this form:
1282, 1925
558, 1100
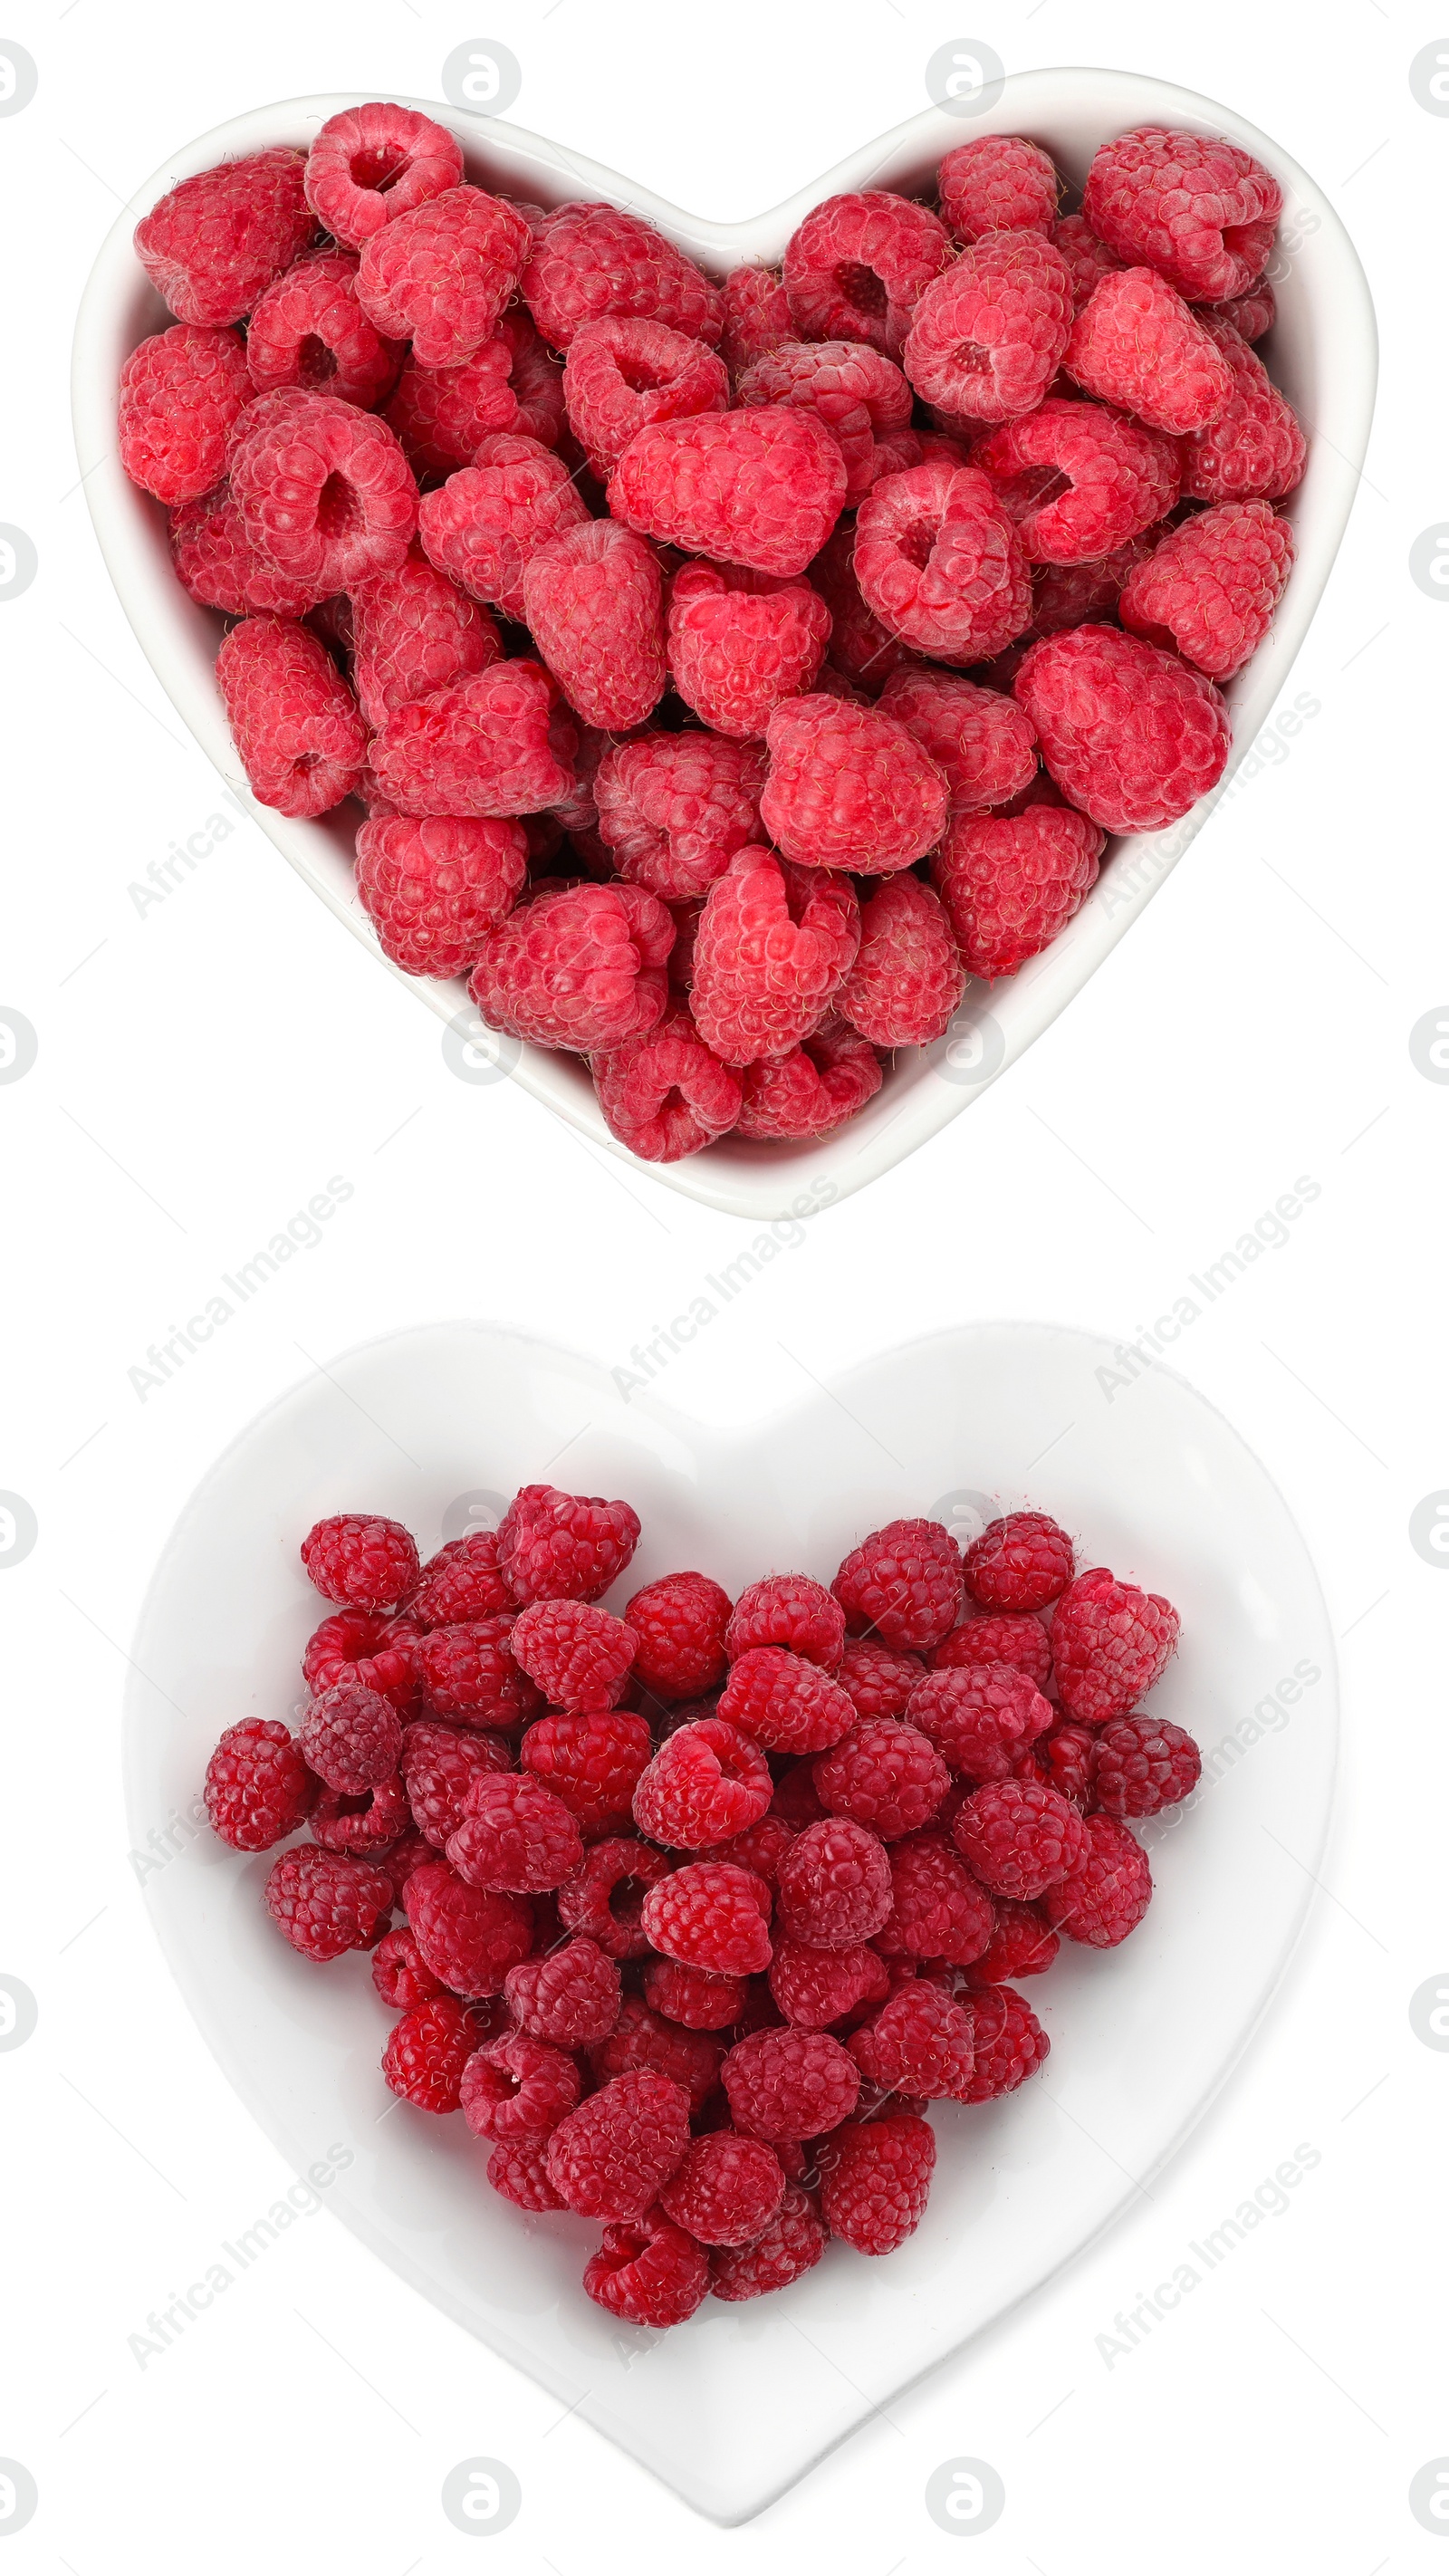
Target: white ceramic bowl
1323, 352
736, 2404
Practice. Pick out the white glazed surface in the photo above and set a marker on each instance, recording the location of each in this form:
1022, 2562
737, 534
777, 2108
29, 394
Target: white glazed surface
1322, 351
738, 2403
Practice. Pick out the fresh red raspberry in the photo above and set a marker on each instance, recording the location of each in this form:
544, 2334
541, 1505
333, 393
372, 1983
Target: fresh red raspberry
650, 2273
980, 740
351, 1737
1210, 588
987, 336
1198, 209
849, 787
762, 488
468, 1936
908, 977
1079, 480
676, 808
885, 1775
997, 183
216, 565
1141, 1765
712, 1915
605, 1897
376, 1653
293, 719
773, 946
427, 2051
309, 330
325, 491
919, 2043
855, 268
706, 1783
468, 1674
792, 2244
592, 1759
789, 2083
860, 649
579, 966
874, 2178
664, 1094
813, 1087
594, 601
182, 393
401, 1974
625, 371
1011, 883
609, 2158
1010, 2042
788, 1610
578, 1654
433, 889
1251, 314
325, 1903
1110, 1643
500, 743
358, 1559
880, 1679
816, 1987
258, 1787
518, 2169
938, 1911
400, 1859
1087, 258
1106, 1898
692, 1997
590, 260
762, 1846
461, 1583
1020, 1562
441, 273
728, 2189
785, 1702
938, 559
443, 414
414, 632
740, 642
493, 515
1062, 1756
1019, 1837
1021, 1945
680, 1623
570, 1998
518, 2087
214, 242
1128, 732
364, 1822
979, 1716
644, 2042
834, 1885
852, 388
998, 1639
902, 1584
371, 164
756, 316
1135, 343
1079, 594
514, 1835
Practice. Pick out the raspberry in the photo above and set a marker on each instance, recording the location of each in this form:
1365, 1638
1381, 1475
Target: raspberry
987, 336
1255, 450
788, 1610
468, 1673
570, 1998
816, 1987
1136, 344
762, 488
979, 1716
1110, 1643
919, 2043
216, 565
793, 2243
215, 241
874, 2179
594, 598
643, 2042
727, 2190
623, 372
491, 516
855, 268
325, 491
577, 966
680, 1623
1198, 209
880, 1679
592, 1759
440, 273
578, 1654
400, 1859
1079, 480
356, 1558
706, 1783
1141, 1765
710, 1914
371, 164
1020, 1562
365, 1822
468, 1936
309, 330
861, 649
1011, 883
1128, 732
351, 1737
515, 1835
980, 740
1021, 1945
1073, 594
427, 2051
401, 1974
664, 1094
902, 1584
1019, 1837
1211, 587
938, 1911
650, 2273
941, 564
325, 1903
692, 1997
182, 392
789, 2083
1087, 258
609, 2158
1063, 1758
756, 316
813, 1087
443, 414
460, 1583
676, 808
1010, 2043
518, 2087
835, 1884
1250, 314
850, 387
885, 1775
849, 787
605, 1898
518, 2168
740, 642
997, 183
293, 719
999, 1639
908, 977
1106, 1898
785, 1702
589, 261
258, 1789
774, 944
434, 889
415, 632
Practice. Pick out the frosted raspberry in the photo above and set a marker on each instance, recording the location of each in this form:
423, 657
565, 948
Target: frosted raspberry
675, 808
856, 267
692, 1997
834, 1884
498, 744
216, 564
434, 889
493, 515
981, 741
591, 260
414, 631
680, 1623
706, 1783
1137, 344
1079, 480
1010, 2043
762, 488
1020, 1562
979, 1716
902, 1584
1250, 314
309, 330
356, 1558
1022, 1944
591, 1758
570, 1998
578, 1655
1087, 259
812, 1088
443, 414
941, 564
468, 1936
650, 2273
987, 336
1255, 450
605, 1897
441, 273
1011, 883
874, 2179
371, 164
293, 719
258, 1788
997, 183
438, 1764
427, 2051
400, 1973
468, 1673
351, 1738
609, 2158
182, 393
215, 241
461, 1582
577, 966
883, 1774
849, 386
788, 1610
756, 316
880, 1679
623, 372
325, 491
711, 1914
785, 1702
644, 2042
515, 1835
1128, 732
849, 787
1210, 588
564, 1547
920, 2043
1141, 1765
664, 1094
773, 946
1106, 1898
518, 2087
1196, 208
594, 601
1019, 1837
518, 2169
938, 1910
908, 977
791, 2245
861, 649
739, 642
816, 1987
325, 1903
789, 2083
1063, 1757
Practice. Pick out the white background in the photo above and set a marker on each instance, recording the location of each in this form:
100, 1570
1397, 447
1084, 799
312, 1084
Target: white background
205, 1067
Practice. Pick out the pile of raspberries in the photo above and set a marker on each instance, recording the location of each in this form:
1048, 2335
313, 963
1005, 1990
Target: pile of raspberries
705, 1903
727, 670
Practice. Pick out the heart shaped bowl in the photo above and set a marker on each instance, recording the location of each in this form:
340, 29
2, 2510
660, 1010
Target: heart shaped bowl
437, 1425
1323, 352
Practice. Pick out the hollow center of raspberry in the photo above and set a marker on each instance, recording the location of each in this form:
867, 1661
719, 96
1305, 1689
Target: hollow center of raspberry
640, 376
378, 166
1245, 242
916, 541
861, 287
1040, 485
337, 507
316, 364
